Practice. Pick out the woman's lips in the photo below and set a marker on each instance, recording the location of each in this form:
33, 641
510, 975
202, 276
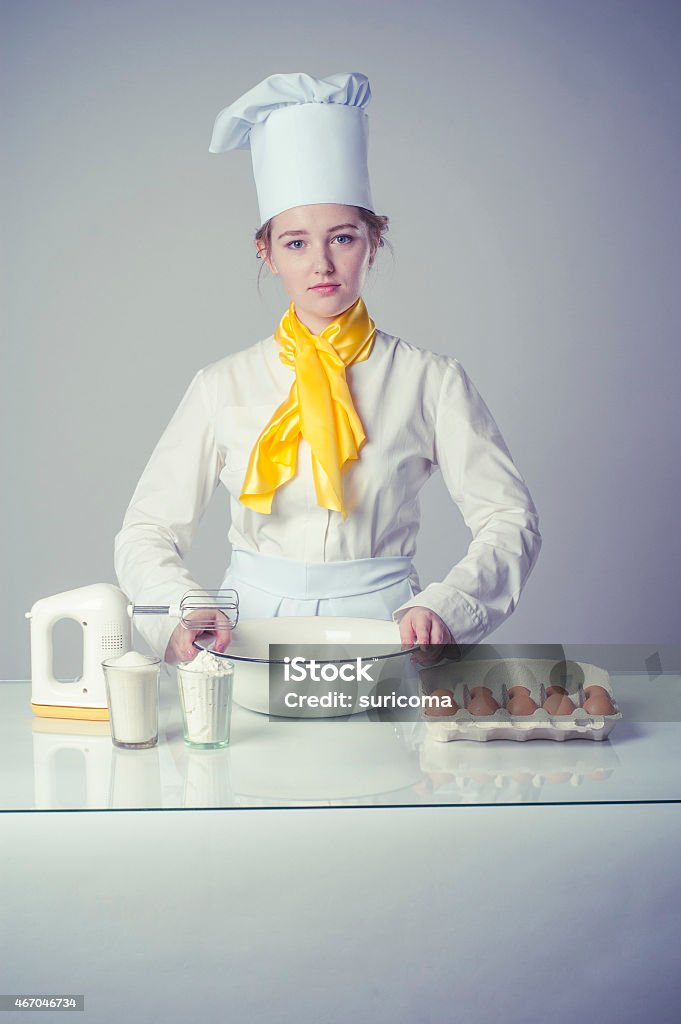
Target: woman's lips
325, 289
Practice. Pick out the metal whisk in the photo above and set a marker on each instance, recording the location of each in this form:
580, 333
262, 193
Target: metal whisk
225, 601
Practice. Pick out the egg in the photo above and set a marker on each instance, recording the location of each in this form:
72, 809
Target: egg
519, 701
518, 691
552, 690
558, 704
598, 703
598, 691
444, 707
482, 702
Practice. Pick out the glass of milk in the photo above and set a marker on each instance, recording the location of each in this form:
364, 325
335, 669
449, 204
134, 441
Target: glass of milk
132, 681
205, 687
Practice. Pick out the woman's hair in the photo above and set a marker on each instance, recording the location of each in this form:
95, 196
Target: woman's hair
377, 226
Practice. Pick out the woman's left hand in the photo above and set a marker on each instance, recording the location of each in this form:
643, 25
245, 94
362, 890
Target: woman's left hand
422, 626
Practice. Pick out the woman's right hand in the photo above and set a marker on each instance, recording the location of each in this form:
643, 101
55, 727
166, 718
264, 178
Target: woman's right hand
181, 644
424, 627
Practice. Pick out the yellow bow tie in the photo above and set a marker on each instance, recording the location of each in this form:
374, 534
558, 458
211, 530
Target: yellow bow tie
319, 408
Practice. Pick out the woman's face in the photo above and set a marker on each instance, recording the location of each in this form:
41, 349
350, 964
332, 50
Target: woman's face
320, 245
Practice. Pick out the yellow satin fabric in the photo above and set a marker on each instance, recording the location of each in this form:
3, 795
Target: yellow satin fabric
319, 408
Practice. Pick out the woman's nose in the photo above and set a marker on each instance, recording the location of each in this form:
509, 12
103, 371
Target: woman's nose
323, 261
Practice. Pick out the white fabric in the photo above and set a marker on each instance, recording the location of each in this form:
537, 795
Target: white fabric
364, 588
308, 139
419, 411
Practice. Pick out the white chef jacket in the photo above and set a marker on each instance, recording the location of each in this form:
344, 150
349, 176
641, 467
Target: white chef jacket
419, 410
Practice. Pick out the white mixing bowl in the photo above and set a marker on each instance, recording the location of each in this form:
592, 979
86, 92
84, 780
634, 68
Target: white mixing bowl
339, 640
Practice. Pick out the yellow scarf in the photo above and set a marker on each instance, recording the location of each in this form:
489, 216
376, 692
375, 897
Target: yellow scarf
319, 408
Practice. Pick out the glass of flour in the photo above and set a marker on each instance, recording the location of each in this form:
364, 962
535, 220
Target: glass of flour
205, 686
132, 695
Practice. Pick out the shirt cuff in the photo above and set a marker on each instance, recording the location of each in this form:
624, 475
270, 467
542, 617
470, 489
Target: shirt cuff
465, 622
156, 631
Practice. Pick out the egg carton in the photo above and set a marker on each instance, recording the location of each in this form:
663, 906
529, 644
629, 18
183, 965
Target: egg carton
537, 674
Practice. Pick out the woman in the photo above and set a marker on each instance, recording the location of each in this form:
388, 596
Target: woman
325, 432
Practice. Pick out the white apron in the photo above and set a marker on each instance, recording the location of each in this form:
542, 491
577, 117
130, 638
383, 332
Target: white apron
369, 588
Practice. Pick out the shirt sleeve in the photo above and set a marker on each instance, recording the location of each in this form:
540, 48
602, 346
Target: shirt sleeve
164, 513
482, 590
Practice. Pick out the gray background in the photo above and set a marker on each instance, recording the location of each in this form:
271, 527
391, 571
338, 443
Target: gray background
528, 156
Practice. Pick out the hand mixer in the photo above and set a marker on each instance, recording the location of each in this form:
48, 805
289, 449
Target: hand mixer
105, 615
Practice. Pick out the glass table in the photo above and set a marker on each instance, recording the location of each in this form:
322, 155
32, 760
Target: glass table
348, 856
358, 761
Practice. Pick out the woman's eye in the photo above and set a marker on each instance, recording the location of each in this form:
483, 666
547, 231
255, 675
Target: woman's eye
298, 243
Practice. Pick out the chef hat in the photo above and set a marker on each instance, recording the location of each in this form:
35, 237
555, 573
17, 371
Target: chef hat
308, 139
